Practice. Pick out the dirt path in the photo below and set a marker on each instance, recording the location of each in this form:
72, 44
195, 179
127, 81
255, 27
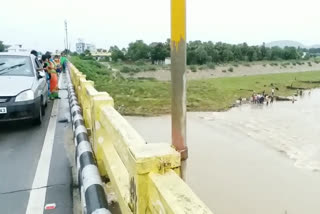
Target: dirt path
222, 71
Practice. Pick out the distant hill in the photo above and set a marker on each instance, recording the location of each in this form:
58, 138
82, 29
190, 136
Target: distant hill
285, 43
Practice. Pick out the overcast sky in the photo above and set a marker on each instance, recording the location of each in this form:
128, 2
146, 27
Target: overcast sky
39, 24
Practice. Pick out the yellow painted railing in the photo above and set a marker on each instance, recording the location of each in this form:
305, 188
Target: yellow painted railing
144, 176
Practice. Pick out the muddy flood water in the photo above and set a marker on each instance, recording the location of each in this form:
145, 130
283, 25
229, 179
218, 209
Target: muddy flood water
253, 159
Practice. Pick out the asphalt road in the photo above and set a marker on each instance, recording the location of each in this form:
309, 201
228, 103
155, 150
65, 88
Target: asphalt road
21, 144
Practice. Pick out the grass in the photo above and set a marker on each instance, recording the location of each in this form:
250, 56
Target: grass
150, 97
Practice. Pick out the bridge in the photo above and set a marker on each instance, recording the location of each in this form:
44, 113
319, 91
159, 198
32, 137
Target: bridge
64, 165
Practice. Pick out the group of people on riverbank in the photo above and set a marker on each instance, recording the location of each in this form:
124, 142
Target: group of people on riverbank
53, 66
261, 98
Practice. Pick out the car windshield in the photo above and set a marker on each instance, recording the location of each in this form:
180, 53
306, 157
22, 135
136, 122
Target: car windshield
15, 66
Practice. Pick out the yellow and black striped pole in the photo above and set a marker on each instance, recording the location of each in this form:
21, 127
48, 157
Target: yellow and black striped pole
178, 79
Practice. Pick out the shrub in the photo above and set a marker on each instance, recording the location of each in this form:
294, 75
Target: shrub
193, 68
310, 64
264, 65
203, 67
137, 70
235, 65
224, 71
230, 69
211, 65
151, 68
317, 61
125, 69
294, 63
247, 64
139, 63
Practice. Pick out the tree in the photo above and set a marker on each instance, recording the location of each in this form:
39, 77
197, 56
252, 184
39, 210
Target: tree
201, 55
3, 47
87, 52
138, 50
116, 54
158, 52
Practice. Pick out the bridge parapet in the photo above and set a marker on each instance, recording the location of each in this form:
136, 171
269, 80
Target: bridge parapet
144, 176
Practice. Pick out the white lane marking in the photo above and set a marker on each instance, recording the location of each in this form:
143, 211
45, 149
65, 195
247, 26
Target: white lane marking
38, 193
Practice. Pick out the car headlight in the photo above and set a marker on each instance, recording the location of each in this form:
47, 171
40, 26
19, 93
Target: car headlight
25, 96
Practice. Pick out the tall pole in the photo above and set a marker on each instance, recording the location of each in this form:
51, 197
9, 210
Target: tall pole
67, 40
178, 80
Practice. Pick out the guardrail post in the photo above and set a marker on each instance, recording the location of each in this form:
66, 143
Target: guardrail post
86, 104
149, 158
98, 101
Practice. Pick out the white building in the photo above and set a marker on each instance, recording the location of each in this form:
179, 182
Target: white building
167, 61
17, 48
80, 47
91, 48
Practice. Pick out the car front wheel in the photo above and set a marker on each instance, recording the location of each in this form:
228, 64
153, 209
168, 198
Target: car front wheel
38, 119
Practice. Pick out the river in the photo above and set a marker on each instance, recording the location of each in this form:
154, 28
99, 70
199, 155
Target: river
252, 159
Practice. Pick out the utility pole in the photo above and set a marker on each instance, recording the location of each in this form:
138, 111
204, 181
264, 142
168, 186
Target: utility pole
67, 40
178, 80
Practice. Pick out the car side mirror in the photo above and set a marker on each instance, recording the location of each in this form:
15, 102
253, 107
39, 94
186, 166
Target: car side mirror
41, 74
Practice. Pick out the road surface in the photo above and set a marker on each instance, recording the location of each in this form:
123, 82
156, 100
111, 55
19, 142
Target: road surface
27, 169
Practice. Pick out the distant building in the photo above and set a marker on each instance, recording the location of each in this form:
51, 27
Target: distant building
80, 47
167, 61
90, 47
101, 54
17, 48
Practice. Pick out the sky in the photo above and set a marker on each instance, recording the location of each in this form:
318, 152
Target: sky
39, 24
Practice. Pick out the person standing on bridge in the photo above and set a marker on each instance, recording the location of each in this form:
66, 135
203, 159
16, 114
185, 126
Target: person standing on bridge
45, 65
53, 78
63, 62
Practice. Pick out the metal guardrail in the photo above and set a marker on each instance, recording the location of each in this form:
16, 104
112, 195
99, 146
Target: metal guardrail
143, 176
93, 196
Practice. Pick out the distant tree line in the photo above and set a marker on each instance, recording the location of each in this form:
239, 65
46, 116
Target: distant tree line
138, 50
205, 52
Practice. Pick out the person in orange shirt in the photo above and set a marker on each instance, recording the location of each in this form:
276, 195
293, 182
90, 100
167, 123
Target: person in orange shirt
58, 65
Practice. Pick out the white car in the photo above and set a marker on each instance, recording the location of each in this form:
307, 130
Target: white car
23, 88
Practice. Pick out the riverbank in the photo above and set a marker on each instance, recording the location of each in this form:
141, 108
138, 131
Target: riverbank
229, 70
151, 97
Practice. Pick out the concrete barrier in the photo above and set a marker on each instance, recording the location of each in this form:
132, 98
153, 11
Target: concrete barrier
144, 176
92, 191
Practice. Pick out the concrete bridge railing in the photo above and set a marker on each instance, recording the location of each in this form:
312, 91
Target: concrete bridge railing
144, 176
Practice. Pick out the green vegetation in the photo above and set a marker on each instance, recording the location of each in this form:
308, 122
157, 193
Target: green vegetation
151, 97
310, 64
136, 67
3, 47
201, 53
193, 68
211, 65
230, 69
